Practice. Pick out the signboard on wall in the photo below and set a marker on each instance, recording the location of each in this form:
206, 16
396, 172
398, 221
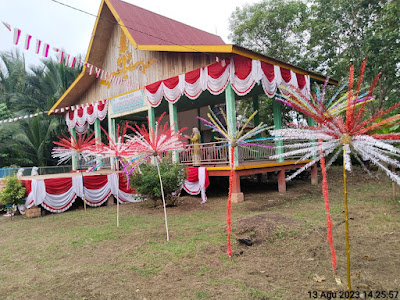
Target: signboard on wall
128, 104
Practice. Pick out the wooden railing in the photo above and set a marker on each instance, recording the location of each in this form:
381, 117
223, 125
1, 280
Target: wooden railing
252, 153
217, 153
210, 153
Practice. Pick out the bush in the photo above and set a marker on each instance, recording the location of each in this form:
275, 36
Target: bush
147, 183
13, 193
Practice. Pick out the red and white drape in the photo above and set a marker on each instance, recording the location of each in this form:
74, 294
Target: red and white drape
242, 72
197, 182
79, 117
58, 194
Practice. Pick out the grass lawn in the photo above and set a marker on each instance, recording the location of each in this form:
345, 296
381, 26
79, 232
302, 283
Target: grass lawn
74, 255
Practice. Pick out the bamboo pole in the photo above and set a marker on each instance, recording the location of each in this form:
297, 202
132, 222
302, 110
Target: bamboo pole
393, 185
163, 198
116, 168
346, 222
83, 185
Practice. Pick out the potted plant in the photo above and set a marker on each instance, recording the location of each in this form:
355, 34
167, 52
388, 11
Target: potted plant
13, 194
147, 184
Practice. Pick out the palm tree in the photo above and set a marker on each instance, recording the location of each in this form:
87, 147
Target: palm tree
23, 92
35, 135
12, 78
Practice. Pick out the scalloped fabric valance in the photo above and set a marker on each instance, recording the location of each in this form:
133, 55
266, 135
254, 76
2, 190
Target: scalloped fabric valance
242, 72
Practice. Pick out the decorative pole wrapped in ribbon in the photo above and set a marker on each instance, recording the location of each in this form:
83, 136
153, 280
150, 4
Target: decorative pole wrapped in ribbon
120, 152
352, 134
233, 140
154, 142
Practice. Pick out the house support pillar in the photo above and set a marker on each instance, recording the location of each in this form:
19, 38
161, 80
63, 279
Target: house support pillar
256, 107
281, 181
74, 158
97, 135
231, 117
314, 174
277, 110
152, 125
111, 133
173, 123
314, 168
237, 195
110, 200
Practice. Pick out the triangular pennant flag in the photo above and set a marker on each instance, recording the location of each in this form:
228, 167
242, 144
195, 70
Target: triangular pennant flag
38, 44
8, 26
17, 35
27, 41
46, 48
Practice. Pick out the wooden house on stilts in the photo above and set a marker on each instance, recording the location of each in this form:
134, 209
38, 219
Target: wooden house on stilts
140, 64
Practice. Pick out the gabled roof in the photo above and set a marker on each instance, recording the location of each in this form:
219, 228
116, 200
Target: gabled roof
149, 28
148, 31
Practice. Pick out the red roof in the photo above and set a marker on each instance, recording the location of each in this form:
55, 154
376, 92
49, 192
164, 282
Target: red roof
148, 28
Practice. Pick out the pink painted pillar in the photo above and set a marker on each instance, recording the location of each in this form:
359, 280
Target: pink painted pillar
314, 174
281, 181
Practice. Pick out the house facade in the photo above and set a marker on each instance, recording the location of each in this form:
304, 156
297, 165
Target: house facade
140, 65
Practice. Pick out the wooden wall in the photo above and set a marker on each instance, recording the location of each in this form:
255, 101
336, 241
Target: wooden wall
167, 64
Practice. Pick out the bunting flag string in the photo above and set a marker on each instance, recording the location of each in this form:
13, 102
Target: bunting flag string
81, 113
65, 58
28, 116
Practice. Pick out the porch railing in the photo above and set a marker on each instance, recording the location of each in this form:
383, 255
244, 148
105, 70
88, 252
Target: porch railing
210, 153
216, 153
41, 170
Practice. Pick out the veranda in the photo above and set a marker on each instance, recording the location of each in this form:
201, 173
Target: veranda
181, 75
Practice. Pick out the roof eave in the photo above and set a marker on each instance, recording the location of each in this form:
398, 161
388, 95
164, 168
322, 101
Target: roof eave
254, 55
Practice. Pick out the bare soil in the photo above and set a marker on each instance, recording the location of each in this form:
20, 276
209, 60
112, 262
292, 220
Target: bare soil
85, 256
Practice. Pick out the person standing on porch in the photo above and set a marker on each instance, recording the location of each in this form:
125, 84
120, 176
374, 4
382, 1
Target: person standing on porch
195, 140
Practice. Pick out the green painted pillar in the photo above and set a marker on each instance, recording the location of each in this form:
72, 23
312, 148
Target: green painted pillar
74, 158
152, 124
111, 133
211, 107
173, 123
97, 135
311, 122
231, 117
152, 118
199, 126
256, 107
277, 110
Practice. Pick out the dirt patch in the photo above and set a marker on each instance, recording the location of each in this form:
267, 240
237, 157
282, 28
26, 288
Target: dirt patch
263, 227
77, 255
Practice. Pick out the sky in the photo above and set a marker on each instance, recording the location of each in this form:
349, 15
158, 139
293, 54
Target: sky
65, 28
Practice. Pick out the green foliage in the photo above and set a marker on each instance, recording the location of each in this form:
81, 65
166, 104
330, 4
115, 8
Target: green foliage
275, 28
13, 193
347, 31
147, 183
326, 36
28, 91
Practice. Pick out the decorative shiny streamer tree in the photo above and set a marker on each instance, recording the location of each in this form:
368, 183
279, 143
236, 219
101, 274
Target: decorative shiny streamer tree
80, 147
233, 140
153, 142
350, 135
317, 105
119, 151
